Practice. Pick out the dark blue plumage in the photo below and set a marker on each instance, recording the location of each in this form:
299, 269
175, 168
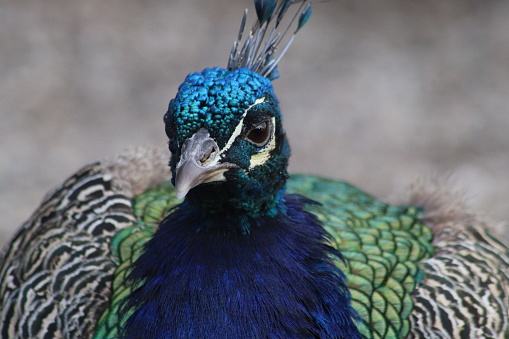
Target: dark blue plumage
238, 258
277, 282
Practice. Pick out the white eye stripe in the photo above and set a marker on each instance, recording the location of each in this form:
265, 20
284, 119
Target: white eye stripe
239, 127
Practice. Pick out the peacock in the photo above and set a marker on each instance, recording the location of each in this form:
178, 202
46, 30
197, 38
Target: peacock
226, 244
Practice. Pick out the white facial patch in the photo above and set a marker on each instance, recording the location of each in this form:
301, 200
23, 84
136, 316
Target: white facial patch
263, 155
238, 129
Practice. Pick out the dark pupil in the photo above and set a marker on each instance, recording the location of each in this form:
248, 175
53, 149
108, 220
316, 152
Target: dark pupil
259, 134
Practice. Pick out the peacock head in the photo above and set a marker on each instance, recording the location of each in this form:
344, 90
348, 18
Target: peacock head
229, 149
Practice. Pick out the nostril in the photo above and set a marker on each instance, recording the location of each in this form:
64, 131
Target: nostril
204, 158
208, 153
201, 149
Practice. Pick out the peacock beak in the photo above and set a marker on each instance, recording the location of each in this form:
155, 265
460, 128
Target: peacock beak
199, 163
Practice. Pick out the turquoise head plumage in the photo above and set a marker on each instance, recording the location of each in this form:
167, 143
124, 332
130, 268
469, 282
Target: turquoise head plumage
224, 125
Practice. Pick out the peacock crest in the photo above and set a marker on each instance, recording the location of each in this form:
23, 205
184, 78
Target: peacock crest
258, 51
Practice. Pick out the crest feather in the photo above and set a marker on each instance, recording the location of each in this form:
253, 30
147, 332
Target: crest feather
257, 51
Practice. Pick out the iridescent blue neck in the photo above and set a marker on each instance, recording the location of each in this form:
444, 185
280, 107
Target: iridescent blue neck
277, 281
233, 215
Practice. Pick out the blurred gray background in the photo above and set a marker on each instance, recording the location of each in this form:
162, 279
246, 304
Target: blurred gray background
377, 93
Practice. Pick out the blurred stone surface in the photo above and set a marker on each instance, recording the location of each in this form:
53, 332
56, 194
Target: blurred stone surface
377, 93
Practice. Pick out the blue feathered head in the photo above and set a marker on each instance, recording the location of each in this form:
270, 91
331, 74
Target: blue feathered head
229, 150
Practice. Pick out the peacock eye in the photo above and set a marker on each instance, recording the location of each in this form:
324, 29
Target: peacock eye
259, 135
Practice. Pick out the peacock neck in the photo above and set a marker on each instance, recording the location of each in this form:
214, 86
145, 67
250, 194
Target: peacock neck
230, 217
231, 207
276, 281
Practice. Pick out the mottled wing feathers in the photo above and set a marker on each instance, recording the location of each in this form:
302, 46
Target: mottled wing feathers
63, 275
465, 293
56, 273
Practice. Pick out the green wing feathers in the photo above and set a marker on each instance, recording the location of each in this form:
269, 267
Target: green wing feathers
382, 246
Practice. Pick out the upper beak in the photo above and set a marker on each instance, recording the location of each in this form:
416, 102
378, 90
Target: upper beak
199, 163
